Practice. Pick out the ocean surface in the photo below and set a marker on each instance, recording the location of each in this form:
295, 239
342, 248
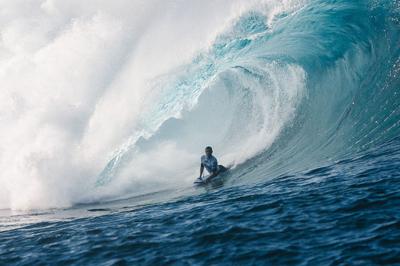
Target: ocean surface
106, 109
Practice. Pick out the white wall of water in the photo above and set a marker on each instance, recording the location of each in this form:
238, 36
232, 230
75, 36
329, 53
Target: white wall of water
73, 79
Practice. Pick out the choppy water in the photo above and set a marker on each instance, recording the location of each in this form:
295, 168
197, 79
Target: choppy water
301, 97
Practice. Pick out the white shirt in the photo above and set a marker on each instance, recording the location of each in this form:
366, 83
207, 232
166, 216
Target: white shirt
210, 163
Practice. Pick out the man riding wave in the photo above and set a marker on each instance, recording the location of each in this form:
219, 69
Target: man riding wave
209, 162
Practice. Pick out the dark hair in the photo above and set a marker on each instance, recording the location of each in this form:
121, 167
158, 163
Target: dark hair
208, 148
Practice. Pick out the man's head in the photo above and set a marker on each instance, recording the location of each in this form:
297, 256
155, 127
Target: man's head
208, 150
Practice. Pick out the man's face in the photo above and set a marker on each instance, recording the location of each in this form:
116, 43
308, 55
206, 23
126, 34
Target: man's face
208, 152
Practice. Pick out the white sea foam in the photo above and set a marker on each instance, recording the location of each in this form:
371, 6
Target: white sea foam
75, 81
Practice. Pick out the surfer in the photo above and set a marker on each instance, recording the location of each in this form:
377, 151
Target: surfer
209, 162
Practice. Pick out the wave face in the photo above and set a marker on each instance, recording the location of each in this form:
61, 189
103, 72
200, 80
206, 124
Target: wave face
100, 104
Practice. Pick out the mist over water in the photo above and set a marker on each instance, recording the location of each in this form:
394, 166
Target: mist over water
81, 85
74, 79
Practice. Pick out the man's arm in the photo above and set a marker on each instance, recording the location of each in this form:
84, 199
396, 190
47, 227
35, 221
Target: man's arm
201, 170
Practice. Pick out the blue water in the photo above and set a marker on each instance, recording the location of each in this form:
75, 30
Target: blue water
342, 213
323, 80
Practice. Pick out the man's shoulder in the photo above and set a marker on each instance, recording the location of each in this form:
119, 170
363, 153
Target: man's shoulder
203, 157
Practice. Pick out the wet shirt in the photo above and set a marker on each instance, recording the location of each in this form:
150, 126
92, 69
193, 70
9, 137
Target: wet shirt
210, 163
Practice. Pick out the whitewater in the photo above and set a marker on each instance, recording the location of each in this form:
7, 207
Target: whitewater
106, 107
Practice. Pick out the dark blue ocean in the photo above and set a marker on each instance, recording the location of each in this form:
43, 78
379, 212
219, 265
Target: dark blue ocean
302, 98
